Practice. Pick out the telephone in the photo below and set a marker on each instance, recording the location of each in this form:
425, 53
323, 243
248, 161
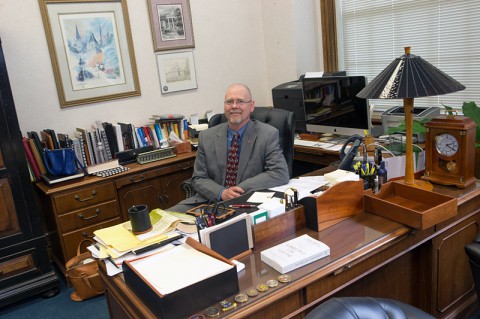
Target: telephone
346, 160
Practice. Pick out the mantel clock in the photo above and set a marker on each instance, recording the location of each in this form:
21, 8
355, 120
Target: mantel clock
450, 150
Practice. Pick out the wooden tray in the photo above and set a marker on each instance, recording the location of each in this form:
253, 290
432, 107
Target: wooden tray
409, 205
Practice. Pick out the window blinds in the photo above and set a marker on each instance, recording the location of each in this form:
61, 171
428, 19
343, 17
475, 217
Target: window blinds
446, 33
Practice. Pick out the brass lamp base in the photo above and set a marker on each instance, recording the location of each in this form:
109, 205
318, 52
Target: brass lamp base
418, 184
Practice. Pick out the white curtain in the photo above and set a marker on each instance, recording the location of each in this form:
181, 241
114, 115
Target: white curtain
445, 33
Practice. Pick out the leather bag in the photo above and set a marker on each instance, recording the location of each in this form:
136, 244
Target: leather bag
61, 162
82, 272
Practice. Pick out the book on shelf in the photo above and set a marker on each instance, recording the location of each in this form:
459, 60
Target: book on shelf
52, 134
111, 134
127, 138
53, 179
88, 143
294, 253
34, 135
64, 141
118, 135
77, 145
37, 155
47, 139
31, 159
104, 147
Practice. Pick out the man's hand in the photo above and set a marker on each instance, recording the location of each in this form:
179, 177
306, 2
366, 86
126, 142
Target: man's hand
232, 192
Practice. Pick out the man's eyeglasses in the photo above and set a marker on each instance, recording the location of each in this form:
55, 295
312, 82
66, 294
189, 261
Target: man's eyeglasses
238, 102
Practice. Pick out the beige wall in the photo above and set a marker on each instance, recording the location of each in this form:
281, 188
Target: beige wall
260, 43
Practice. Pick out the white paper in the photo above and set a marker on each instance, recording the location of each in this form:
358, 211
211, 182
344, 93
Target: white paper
178, 268
313, 75
260, 197
194, 119
209, 115
303, 185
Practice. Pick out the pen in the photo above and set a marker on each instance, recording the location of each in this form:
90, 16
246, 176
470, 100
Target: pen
110, 259
156, 245
242, 206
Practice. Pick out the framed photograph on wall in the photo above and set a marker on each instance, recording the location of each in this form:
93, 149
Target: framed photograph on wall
171, 24
176, 71
91, 49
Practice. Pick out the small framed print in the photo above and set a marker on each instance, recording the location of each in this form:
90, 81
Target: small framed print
171, 24
176, 71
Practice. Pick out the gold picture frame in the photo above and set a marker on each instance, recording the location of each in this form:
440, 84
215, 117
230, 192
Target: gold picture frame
91, 50
171, 24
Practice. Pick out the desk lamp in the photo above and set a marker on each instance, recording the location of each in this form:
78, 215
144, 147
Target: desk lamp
407, 77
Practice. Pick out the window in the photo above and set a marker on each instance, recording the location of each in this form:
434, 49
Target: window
446, 33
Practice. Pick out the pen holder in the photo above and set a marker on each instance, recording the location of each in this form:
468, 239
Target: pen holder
140, 219
369, 181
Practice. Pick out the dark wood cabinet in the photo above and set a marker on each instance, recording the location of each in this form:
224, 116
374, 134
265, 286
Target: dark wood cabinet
25, 269
73, 210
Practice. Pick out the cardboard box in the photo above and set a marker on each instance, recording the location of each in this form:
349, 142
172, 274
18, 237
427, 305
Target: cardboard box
188, 300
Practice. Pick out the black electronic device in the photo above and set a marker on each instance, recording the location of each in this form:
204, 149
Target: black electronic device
346, 160
332, 105
289, 96
130, 156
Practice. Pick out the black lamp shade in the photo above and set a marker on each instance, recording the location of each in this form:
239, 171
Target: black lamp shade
409, 76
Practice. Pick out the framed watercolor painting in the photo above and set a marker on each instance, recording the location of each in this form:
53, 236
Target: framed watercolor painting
91, 49
171, 24
176, 71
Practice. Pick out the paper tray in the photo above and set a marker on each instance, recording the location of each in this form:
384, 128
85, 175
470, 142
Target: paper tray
184, 302
409, 205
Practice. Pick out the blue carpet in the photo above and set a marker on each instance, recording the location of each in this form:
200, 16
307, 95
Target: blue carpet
60, 306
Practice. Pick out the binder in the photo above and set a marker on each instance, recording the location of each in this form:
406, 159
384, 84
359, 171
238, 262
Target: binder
31, 159
37, 155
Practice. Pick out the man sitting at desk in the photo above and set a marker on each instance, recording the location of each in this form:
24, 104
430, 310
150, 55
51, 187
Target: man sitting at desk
236, 157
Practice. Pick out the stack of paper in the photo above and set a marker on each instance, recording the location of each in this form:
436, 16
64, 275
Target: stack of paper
172, 270
294, 253
118, 243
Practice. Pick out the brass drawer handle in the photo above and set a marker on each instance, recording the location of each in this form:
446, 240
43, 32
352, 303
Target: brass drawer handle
133, 180
81, 216
77, 197
85, 234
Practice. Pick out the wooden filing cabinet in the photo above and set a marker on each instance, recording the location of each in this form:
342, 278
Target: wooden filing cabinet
73, 210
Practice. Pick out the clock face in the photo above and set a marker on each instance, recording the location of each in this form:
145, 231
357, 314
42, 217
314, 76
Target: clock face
446, 144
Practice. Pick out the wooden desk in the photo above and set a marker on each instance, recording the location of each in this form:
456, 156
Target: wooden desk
370, 256
73, 210
308, 159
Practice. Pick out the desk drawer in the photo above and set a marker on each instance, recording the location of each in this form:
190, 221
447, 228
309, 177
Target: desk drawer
83, 197
16, 265
71, 240
88, 216
139, 177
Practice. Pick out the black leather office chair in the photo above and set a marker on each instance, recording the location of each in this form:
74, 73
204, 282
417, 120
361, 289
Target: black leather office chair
473, 253
366, 308
282, 120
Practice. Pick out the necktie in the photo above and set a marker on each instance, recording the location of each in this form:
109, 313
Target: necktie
232, 163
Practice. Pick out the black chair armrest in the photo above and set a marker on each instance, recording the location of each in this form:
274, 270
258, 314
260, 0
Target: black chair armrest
187, 187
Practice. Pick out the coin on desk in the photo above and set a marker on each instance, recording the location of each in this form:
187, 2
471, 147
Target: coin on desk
284, 278
262, 287
252, 292
212, 312
272, 283
241, 298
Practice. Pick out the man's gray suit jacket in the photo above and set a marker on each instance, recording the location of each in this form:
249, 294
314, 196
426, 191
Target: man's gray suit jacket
261, 164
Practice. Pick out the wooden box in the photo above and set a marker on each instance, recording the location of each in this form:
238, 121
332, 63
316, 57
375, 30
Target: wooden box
337, 203
409, 205
184, 302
